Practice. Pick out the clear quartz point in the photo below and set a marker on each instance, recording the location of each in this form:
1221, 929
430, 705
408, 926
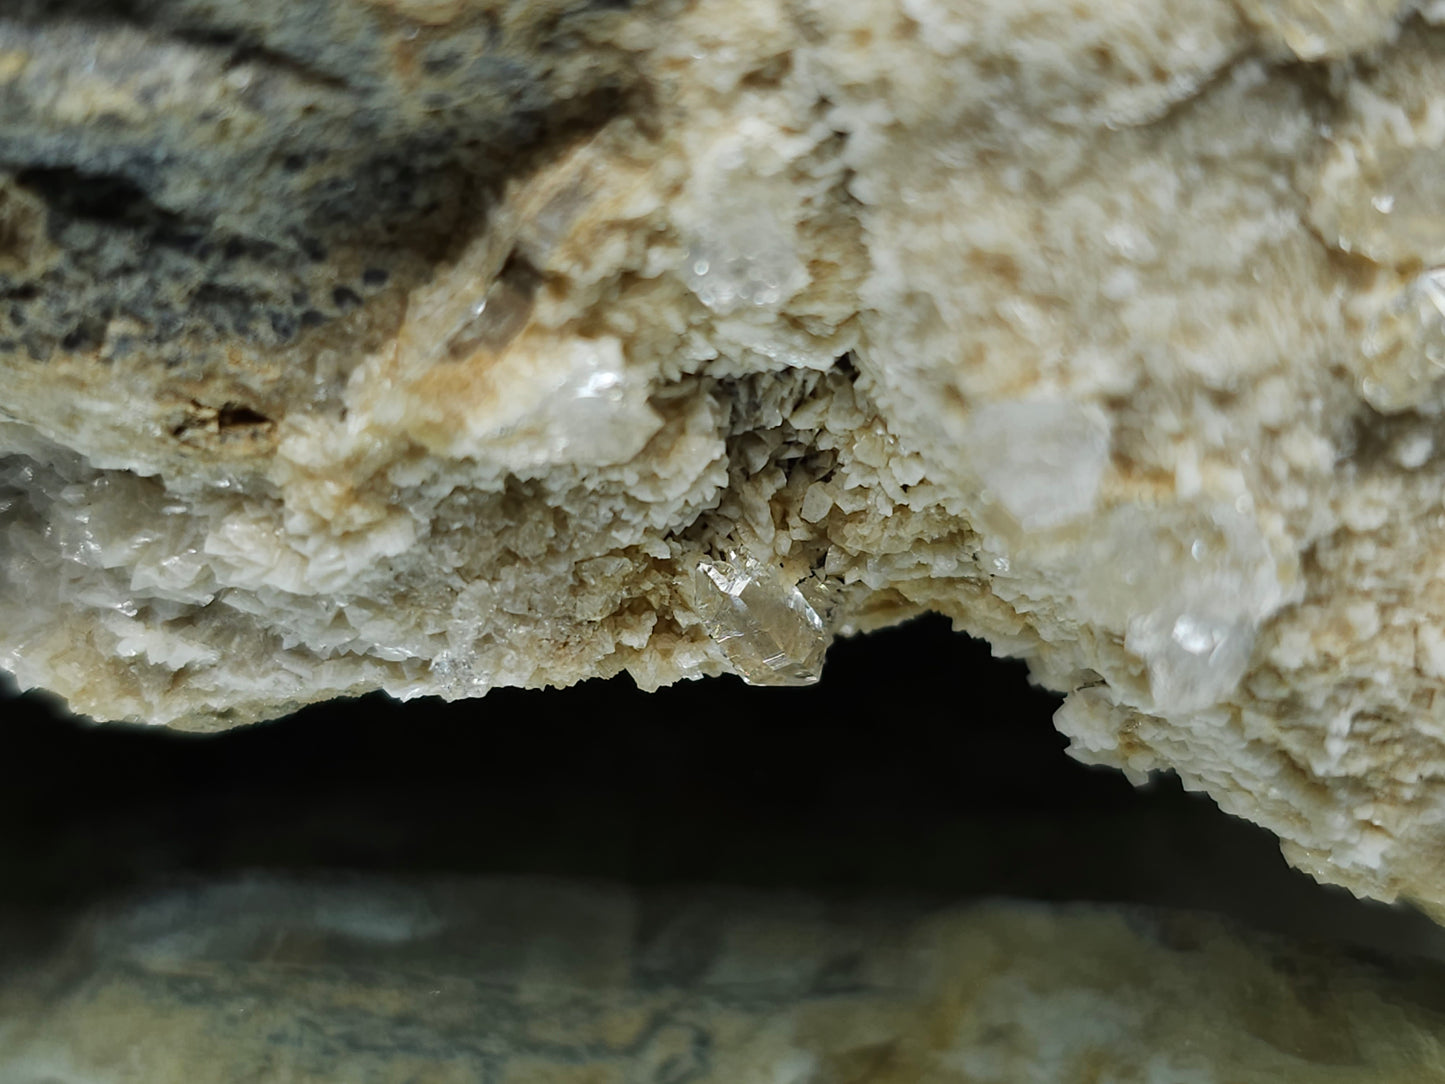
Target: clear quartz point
769, 630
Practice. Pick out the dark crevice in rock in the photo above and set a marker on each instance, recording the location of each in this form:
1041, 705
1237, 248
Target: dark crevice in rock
244, 50
46, 11
237, 415
96, 197
86, 335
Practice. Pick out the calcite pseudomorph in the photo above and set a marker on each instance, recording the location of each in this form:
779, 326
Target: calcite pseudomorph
431, 347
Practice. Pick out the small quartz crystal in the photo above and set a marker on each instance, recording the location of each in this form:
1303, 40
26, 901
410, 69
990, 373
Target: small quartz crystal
770, 631
495, 319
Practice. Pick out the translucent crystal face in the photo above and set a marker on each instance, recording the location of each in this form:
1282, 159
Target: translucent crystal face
578, 403
1190, 590
494, 320
1194, 659
1404, 346
459, 676
1393, 212
1042, 459
769, 630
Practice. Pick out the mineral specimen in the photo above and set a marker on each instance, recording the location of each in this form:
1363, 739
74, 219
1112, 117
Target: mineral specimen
436, 345
769, 630
526, 983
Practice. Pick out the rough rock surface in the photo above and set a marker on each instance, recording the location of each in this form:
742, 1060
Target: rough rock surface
433, 345
538, 983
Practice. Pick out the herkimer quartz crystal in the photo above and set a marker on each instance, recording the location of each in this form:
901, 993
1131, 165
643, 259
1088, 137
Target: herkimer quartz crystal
436, 346
771, 633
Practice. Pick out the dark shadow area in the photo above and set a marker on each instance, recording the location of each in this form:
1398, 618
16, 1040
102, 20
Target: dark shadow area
921, 767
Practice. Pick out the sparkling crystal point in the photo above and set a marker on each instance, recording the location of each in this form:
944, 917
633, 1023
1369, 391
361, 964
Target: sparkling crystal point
1194, 660
1191, 592
769, 630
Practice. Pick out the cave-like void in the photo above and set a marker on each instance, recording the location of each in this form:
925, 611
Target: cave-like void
707, 883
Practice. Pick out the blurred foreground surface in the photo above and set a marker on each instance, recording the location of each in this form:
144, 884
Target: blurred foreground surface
710, 884
534, 982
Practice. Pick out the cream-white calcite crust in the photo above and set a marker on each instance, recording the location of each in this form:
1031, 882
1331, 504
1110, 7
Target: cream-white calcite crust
695, 335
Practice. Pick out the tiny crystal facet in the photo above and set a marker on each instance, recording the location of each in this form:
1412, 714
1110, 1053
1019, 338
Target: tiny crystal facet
770, 632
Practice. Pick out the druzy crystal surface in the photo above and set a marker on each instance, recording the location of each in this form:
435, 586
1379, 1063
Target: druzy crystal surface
432, 346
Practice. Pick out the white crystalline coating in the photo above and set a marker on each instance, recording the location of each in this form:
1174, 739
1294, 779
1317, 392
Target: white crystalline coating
748, 263
1413, 449
816, 503
1198, 635
769, 630
598, 414
741, 219
1394, 214
1041, 458
1378, 190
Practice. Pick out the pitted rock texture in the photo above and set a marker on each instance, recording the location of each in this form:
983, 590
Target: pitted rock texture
522, 982
437, 345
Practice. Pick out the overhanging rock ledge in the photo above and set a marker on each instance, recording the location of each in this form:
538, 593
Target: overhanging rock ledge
436, 345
